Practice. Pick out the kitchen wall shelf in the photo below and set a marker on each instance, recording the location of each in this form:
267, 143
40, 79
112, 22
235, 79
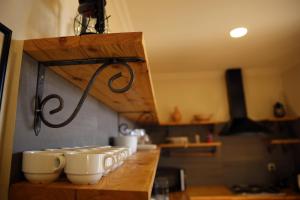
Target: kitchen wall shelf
82, 55
201, 149
133, 181
192, 145
290, 141
192, 154
192, 123
211, 125
284, 119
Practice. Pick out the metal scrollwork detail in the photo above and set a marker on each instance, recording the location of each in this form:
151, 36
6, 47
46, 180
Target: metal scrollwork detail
84, 95
146, 115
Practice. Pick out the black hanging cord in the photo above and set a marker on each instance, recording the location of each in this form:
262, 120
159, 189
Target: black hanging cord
40, 111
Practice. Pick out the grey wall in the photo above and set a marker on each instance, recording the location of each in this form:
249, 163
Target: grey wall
242, 159
94, 124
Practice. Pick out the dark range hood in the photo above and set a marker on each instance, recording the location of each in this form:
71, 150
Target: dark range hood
239, 122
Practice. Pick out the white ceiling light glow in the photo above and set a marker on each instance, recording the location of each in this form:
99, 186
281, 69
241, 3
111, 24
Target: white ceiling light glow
238, 32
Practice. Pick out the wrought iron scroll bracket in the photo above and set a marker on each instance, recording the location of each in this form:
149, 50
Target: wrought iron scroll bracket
40, 102
124, 128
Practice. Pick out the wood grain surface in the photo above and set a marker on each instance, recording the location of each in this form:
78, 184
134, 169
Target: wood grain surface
132, 181
140, 98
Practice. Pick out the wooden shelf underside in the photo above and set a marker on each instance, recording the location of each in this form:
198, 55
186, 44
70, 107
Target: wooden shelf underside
133, 181
138, 99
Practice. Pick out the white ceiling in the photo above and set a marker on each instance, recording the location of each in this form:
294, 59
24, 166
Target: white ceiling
192, 35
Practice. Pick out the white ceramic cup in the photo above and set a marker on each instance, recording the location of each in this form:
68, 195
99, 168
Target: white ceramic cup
87, 167
101, 148
114, 153
127, 141
116, 160
118, 156
42, 166
63, 151
123, 151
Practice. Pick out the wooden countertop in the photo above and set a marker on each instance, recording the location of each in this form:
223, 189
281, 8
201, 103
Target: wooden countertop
223, 193
132, 181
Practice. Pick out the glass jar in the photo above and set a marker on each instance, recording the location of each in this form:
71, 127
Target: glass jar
161, 188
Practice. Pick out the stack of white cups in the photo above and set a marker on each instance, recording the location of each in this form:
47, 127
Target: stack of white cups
82, 165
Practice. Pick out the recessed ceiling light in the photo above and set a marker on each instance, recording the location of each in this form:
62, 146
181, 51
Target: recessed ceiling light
238, 32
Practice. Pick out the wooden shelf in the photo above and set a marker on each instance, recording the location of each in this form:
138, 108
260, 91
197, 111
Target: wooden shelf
192, 154
138, 99
191, 123
284, 119
133, 181
285, 141
191, 145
